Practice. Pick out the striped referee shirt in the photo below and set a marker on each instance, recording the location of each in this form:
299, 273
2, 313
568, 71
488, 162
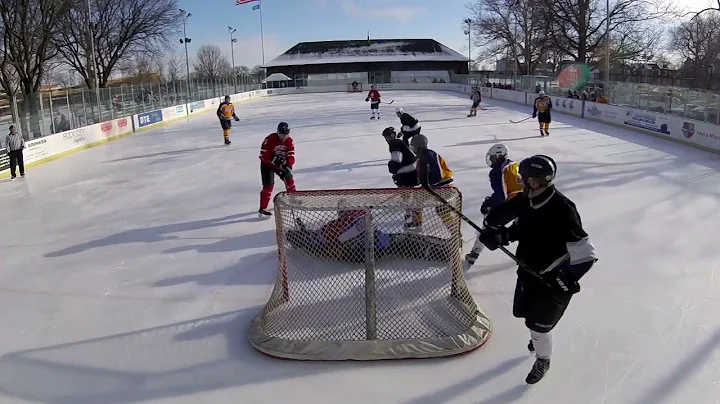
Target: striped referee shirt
14, 141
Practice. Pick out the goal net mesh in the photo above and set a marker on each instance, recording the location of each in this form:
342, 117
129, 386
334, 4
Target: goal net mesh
356, 283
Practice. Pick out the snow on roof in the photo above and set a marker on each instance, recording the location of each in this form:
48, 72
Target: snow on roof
363, 51
276, 77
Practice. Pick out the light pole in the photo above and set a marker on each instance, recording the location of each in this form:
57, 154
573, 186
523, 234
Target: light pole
186, 41
607, 50
93, 60
468, 32
231, 30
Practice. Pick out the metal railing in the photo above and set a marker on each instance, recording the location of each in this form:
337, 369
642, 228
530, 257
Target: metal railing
48, 112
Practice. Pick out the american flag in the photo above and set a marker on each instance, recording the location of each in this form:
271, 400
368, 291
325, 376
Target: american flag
239, 2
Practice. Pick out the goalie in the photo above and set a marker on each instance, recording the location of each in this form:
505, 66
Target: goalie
344, 239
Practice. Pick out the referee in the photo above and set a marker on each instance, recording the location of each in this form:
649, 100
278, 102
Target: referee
15, 145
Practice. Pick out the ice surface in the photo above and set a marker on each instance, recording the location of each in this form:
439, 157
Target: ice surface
130, 271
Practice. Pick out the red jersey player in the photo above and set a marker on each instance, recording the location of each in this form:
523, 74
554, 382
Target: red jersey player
277, 157
374, 98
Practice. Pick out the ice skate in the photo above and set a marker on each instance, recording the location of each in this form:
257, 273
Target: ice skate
372, 118
471, 257
540, 367
531, 347
262, 213
547, 132
227, 142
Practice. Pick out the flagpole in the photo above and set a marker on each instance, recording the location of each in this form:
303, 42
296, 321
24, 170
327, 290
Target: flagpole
262, 39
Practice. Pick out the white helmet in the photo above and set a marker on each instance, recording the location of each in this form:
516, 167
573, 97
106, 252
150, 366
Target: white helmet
495, 153
541, 93
399, 112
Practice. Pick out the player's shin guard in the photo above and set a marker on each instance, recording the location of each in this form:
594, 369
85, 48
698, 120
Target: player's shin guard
543, 344
226, 134
290, 185
265, 196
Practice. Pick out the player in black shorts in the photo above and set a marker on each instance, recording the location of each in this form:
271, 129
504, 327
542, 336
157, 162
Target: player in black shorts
552, 243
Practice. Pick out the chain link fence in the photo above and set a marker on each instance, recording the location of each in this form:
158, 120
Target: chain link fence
692, 103
54, 111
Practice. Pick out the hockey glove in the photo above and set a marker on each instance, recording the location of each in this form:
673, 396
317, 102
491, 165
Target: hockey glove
534, 115
237, 119
286, 173
566, 282
494, 237
367, 99
485, 207
393, 166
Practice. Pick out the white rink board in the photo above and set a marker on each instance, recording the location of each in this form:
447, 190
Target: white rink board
135, 268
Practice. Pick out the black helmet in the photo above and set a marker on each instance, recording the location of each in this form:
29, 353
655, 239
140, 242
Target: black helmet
283, 128
390, 133
227, 98
540, 167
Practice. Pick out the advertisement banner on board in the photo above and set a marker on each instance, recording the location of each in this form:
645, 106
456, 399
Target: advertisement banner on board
4, 160
700, 133
568, 105
150, 118
647, 120
196, 106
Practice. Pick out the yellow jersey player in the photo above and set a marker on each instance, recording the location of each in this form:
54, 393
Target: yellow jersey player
541, 110
432, 171
226, 113
505, 183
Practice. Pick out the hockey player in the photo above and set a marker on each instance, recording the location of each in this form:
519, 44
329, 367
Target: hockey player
402, 160
541, 109
226, 112
410, 126
505, 183
432, 171
277, 157
374, 98
552, 243
476, 98
344, 239
403, 169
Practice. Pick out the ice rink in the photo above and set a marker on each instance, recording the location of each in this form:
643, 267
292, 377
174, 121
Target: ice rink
131, 271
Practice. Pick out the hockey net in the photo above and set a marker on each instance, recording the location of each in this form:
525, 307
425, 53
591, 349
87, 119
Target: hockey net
355, 88
378, 291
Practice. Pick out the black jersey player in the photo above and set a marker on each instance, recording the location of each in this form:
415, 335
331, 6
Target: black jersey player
402, 160
410, 125
551, 243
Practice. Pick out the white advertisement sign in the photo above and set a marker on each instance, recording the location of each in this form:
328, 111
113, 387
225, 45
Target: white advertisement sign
567, 105
700, 133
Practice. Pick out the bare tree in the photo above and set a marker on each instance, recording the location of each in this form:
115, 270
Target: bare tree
174, 67
210, 64
122, 29
579, 27
698, 42
510, 27
27, 29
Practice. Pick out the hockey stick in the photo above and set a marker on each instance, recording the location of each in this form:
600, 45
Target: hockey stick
388, 103
522, 120
480, 230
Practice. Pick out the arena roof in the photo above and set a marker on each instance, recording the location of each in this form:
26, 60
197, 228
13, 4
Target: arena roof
366, 51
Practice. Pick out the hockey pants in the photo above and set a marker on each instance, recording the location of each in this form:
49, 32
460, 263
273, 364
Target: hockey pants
267, 176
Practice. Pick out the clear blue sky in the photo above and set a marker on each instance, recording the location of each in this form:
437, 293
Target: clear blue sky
287, 22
